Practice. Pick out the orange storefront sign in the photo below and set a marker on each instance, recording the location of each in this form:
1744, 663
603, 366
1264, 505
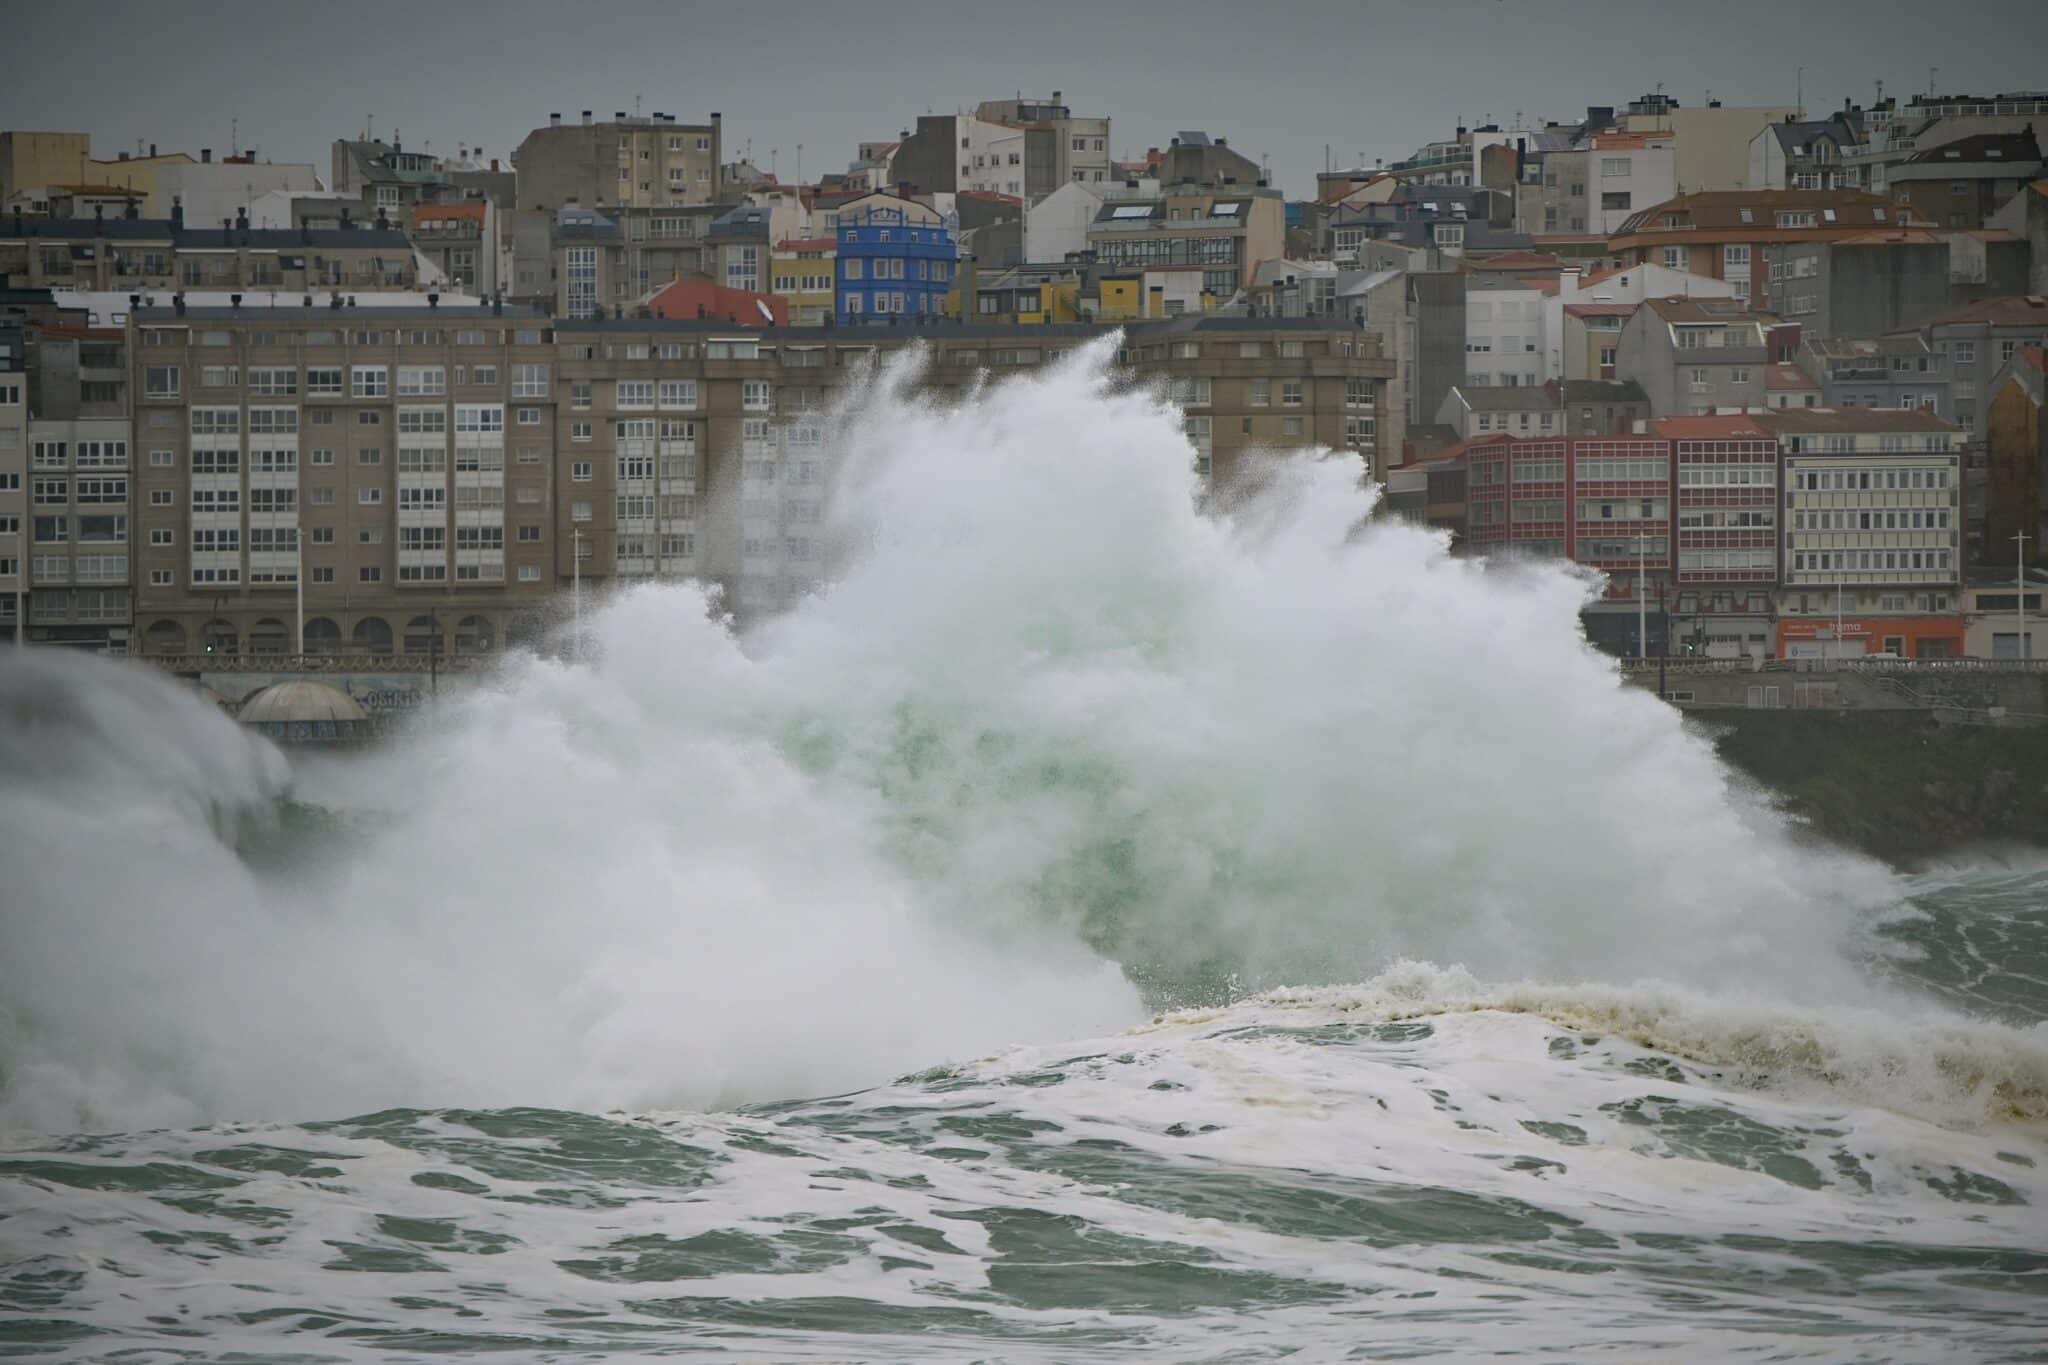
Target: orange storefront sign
1910, 637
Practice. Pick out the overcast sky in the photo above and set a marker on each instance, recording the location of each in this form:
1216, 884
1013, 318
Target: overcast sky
1279, 80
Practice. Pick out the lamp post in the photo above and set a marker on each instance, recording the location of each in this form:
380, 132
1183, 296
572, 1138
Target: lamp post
2019, 592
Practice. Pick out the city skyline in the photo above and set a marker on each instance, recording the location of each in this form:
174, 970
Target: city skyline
789, 75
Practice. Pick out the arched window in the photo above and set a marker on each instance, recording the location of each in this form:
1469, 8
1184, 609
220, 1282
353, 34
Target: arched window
269, 636
164, 637
372, 635
323, 636
474, 635
220, 637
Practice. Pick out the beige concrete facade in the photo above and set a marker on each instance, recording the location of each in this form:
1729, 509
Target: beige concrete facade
444, 475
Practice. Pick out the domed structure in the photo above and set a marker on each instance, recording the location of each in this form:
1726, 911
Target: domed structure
301, 711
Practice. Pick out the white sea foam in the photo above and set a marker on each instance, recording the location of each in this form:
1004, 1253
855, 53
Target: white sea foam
1048, 723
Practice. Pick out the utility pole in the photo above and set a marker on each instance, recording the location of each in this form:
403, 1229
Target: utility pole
2019, 593
1838, 619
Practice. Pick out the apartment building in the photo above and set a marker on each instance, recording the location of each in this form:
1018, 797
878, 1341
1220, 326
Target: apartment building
896, 258
1928, 122
1226, 229
1520, 410
77, 528
111, 254
1899, 371
694, 448
1604, 501
1806, 154
386, 180
1059, 148
1873, 541
1727, 526
636, 164
1624, 172
1507, 341
1722, 235
14, 478
2016, 455
461, 242
803, 272
404, 457
1874, 282
1695, 357
1978, 340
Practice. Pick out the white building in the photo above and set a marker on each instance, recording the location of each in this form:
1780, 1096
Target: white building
1058, 224
991, 156
214, 191
1626, 173
1507, 339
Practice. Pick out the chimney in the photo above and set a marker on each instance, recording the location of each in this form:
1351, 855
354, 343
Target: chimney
1222, 142
494, 165
497, 305
242, 218
234, 300
554, 120
433, 301
619, 115
178, 303
134, 209
122, 157
177, 211
586, 118
152, 151
99, 213
206, 156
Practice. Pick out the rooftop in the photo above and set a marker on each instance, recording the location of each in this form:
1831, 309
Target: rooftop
1604, 391
1706, 311
1513, 398
1723, 210
1804, 421
2007, 310
1730, 427
1788, 377
319, 312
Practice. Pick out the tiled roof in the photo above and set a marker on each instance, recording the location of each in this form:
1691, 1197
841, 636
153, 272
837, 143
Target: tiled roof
1601, 310
2008, 310
2012, 147
1723, 428
1788, 377
1890, 237
1518, 260
1721, 211
808, 244
1705, 310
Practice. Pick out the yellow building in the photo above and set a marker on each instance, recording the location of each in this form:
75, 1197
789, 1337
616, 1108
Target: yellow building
802, 271
1029, 294
32, 161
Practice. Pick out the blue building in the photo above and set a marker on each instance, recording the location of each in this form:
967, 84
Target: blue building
896, 258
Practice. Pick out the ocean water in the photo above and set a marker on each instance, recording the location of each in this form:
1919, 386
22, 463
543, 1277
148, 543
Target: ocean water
1086, 928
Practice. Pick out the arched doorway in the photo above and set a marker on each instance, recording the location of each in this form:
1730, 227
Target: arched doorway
474, 635
372, 635
269, 636
220, 637
323, 636
419, 635
164, 637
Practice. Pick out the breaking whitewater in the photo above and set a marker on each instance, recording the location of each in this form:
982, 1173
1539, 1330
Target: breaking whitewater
1085, 927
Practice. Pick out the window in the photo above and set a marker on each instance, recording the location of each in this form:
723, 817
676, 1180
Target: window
1675, 257
757, 395
529, 417
369, 497
368, 381
1449, 234
635, 394
1290, 393
580, 471
421, 381
579, 431
370, 573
